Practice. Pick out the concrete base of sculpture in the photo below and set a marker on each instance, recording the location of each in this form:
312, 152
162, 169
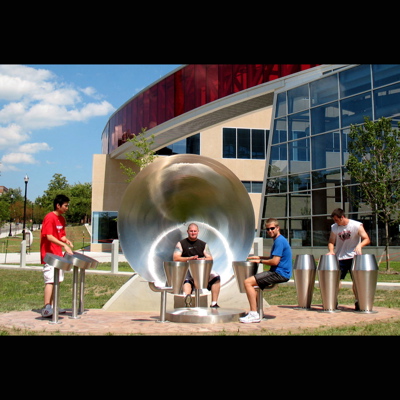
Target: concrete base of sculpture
204, 315
136, 295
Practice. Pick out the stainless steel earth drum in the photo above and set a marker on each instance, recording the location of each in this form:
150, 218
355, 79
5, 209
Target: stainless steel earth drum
58, 262
242, 271
81, 261
329, 279
304, 270
175, 272
172, 192
364, 272
200, 271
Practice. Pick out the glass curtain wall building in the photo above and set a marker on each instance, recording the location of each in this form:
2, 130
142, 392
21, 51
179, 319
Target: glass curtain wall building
306, 178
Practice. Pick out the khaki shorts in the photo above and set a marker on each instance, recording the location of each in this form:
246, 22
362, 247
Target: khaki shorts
48, 274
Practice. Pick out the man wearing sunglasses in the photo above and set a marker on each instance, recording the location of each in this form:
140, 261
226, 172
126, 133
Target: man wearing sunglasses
280, 262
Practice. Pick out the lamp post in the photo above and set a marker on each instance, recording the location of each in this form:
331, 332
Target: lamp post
26, 179
12, 198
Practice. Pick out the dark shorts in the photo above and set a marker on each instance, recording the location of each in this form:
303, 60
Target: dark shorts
267, 278
345, 267
213, 279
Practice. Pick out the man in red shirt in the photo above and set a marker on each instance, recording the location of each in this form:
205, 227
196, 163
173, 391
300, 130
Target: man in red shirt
52, 240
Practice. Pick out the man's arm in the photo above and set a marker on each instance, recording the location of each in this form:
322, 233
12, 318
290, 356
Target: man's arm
66, 244
364, 240
207, 253
331, 243
273, 262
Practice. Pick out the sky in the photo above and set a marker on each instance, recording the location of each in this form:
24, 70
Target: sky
52, 117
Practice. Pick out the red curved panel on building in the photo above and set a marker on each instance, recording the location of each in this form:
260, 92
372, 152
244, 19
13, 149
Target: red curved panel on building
190, 87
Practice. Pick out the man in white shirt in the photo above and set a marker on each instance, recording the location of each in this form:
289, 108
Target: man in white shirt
349, 237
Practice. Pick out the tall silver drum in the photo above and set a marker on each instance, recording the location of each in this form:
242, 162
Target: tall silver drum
242, 271
304, 270
329, 279
200, 271
364, 272
175, 272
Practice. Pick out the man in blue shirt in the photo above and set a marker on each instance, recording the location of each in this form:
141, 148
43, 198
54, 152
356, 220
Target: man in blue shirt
280, 262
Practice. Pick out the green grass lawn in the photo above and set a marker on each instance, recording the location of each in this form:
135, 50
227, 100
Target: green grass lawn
22, 290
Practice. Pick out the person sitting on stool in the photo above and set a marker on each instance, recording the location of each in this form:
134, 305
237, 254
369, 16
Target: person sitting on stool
280, 271
192, 248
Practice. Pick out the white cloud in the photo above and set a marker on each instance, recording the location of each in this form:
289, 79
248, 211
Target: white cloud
17, 81
91, 92
60, 97
18, 158
44, 115
33, 99
90, 110
33, 148
11, 112
24, 72
11, 136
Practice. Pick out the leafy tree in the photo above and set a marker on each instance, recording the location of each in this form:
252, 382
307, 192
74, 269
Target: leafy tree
80, 196
4, 211
142, 155
81, 202
374, 162
12, 206
58, 185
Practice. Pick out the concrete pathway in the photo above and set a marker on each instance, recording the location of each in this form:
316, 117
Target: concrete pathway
277, 320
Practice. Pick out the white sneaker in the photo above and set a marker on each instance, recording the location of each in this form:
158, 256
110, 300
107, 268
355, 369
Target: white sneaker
47, 311
61, 311
250, 318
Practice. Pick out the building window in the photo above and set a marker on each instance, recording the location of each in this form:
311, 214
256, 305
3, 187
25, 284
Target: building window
190, 145
244, 143
229, 143
253, 186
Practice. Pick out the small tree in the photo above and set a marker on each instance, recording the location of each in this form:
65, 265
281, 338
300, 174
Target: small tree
142, 155
81, 200
374, 162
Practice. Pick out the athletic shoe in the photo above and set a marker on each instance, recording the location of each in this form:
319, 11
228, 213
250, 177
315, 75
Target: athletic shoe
215, 306
47, 311
188, 300
250, 318
61, 311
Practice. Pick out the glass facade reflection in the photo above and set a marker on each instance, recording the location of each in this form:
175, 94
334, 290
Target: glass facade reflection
306, 176
104, 226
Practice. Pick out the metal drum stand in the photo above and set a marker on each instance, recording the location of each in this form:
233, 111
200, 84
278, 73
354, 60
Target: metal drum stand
58, 263
80, 263
244, 270
175, 272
